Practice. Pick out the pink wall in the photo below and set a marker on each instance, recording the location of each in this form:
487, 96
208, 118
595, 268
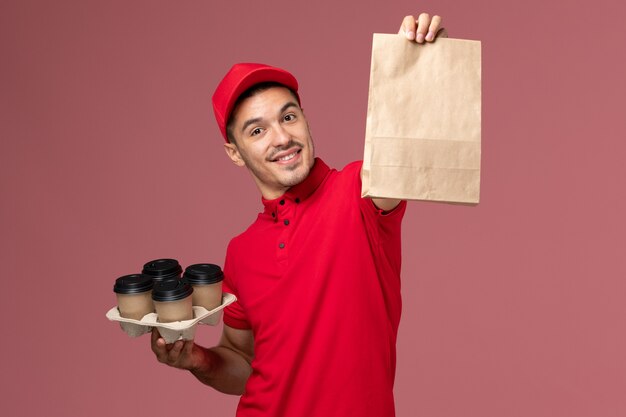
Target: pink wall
110, 157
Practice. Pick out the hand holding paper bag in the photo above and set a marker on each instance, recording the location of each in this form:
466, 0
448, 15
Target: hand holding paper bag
423, 29
423, 132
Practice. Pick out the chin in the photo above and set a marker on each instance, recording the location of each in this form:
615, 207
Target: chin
298, 175
296, 178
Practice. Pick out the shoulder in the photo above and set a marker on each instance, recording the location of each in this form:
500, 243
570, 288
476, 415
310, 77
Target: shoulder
342, 188
342, 183
352, 168
349, 174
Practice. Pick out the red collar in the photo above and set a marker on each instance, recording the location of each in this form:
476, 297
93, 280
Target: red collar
302, 191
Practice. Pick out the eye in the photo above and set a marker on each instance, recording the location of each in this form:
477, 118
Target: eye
289, 117
255, 131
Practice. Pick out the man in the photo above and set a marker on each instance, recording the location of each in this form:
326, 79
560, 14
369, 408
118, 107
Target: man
317, 275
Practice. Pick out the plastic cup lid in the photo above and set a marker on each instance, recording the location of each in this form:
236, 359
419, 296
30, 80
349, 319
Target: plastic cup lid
160, 269
203, 274
133, 284
171, 290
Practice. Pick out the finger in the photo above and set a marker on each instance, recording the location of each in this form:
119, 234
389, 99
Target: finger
423, 22
158, 346
156, 340
174, 352
408, 27
435, 24
188, 347
154, 337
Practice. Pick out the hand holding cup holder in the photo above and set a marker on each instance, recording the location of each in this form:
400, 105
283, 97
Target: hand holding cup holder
173, 331
160, 285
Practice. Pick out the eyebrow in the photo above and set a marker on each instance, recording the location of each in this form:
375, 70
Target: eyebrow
249, 122
258, 119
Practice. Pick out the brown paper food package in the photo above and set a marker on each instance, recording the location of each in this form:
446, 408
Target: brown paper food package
423, 132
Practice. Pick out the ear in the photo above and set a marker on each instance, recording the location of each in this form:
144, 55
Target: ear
233, 153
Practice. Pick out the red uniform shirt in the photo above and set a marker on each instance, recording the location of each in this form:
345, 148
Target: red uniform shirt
317, 277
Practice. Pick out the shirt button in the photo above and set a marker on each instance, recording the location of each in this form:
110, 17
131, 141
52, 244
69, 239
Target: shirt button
297, 200
286, 222
273, 214
282, 202
281, 245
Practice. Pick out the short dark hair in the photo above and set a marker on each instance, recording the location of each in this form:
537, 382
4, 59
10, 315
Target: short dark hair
252, 91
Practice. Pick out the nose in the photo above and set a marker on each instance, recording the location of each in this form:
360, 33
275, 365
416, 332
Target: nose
281, 136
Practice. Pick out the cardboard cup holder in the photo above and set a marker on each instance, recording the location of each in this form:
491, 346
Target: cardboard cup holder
176, 330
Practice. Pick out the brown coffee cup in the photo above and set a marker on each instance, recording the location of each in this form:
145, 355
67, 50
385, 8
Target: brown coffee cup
206, 280
172, 300
134, 296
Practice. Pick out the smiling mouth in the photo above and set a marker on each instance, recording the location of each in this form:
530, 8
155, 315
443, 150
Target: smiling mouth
287, 157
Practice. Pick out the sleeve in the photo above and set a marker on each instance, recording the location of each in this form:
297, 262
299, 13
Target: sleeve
234, 315
392, 219
383, 228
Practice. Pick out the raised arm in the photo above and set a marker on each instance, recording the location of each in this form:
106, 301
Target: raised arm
225, 367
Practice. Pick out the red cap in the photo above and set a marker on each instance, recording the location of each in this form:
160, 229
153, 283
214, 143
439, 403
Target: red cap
240, 78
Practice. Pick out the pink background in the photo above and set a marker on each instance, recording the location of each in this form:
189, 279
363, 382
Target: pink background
110, 157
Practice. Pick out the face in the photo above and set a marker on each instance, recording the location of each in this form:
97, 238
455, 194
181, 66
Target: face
272, 140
